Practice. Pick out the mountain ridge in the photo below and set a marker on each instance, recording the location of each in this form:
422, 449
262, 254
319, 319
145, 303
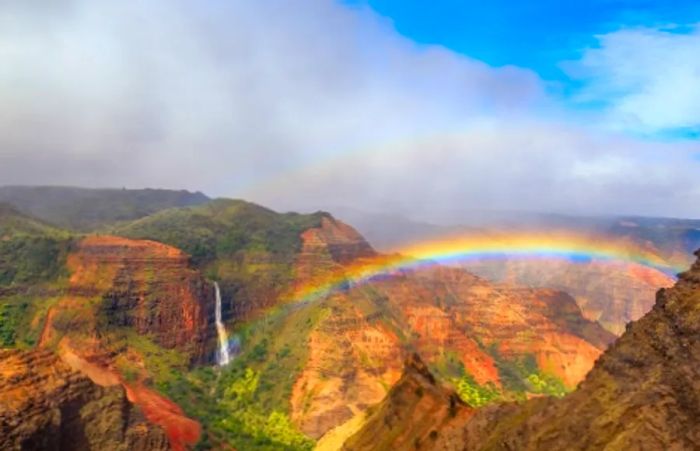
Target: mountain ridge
88, 209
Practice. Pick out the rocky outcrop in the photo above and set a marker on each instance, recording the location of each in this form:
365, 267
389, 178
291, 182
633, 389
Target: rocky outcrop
417, 413
343, 243
180, 430
46, 405
327, 248
643, 393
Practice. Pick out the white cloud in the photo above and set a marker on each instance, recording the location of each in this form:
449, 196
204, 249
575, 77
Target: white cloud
525, 166
649, 77
301, 104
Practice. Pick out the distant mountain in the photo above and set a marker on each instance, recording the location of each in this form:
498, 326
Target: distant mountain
643, 393
611, 293
674, 239
84, 209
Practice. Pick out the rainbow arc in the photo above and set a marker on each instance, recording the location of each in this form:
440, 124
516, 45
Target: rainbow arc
577, 249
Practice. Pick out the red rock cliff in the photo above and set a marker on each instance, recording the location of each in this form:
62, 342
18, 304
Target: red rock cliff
45, 405
141, 285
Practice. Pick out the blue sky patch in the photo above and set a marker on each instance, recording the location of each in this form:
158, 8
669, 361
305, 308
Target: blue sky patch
536, 35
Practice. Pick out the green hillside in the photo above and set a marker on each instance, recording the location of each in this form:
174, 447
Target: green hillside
32, 260
249, 249
85, 209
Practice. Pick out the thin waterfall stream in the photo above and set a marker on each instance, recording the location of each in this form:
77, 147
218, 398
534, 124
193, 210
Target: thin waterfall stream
223, 357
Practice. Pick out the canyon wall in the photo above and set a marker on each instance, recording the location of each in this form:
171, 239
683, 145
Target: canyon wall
118, 284
46, 405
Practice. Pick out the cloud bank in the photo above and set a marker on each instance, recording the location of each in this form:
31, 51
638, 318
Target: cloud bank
648, 77
310, 104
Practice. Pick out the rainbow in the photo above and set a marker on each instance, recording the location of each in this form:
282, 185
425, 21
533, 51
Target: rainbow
577, 249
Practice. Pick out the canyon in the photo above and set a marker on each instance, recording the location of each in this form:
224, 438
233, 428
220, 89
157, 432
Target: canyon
143, 314
459, 323
641, 394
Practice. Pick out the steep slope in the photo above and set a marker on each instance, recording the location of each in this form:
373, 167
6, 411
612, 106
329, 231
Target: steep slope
133, 312
417, 413
45, 405
86, 209
250, 406
491, 341
643, 393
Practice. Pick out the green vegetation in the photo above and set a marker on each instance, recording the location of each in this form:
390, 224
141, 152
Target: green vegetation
30, 251
450, 368
22, 317
32, 266
11, 314
162, 365
523, 375
518, 377
248, 249
29, 259
474, 394
13, 224
246, 404
224, 228
547, 384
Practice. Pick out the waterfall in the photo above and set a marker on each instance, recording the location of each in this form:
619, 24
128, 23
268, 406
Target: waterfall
222, 357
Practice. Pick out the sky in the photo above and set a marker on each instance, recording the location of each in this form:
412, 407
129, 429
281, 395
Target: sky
431, 110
